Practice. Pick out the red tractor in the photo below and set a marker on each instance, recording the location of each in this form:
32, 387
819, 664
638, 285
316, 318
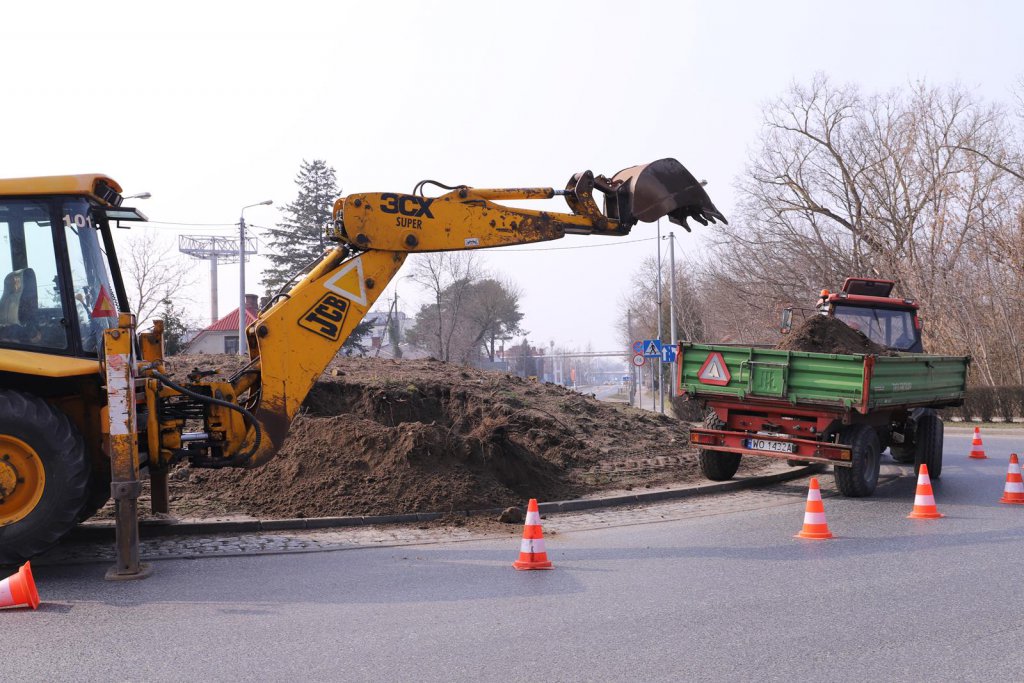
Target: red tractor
865, 305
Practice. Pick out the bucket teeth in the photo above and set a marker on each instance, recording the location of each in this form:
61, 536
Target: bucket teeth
665, 188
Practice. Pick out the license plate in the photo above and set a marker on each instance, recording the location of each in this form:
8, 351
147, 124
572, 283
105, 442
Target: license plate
768, 445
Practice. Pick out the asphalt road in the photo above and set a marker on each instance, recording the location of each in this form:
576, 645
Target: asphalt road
723, 597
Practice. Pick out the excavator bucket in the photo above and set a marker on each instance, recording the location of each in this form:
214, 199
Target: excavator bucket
660, 188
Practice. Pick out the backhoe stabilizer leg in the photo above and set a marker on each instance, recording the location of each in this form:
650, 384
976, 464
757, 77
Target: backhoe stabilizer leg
122, 445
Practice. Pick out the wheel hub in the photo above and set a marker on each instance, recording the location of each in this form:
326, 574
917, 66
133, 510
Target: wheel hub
22, 479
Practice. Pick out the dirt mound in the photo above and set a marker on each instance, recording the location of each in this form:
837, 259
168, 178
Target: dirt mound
823, 334
382, 436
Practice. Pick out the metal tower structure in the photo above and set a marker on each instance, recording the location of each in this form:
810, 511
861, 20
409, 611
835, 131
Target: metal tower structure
216, 249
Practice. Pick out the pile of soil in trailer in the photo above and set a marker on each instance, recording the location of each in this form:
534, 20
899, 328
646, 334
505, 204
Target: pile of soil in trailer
382, 436
823, 334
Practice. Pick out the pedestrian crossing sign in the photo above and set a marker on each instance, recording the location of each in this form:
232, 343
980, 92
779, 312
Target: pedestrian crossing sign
652, 348
714, 371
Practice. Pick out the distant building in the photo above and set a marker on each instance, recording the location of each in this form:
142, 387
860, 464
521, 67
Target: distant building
379, 334
222, 336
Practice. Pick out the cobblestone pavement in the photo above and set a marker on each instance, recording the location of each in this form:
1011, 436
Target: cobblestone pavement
225, 545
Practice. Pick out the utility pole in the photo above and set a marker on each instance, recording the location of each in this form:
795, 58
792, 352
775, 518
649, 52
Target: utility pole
672, 299
634, 371
243, 346
661, 391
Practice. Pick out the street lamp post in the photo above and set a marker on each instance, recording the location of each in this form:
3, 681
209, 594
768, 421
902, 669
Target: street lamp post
243, 347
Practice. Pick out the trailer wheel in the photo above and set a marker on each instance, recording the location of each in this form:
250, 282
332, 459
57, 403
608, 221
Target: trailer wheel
43, 476
930, 435
861, 479
717, 465
902, 454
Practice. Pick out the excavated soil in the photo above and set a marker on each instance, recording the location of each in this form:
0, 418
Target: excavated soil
822, 334
382, 436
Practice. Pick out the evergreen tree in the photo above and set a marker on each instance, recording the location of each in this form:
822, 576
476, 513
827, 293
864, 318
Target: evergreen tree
176, 326
299, 238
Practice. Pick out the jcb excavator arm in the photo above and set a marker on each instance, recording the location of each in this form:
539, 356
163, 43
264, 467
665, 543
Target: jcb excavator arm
292, 341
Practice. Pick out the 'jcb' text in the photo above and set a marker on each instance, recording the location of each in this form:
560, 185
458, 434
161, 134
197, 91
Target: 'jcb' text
326, 317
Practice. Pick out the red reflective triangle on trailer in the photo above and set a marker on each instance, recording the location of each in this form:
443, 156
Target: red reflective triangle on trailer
714, 370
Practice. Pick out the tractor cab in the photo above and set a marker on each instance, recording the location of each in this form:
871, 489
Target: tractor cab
61, 287
866, 305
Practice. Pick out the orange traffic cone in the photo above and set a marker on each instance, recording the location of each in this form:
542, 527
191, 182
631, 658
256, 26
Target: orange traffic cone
1013, 492
924, 500
815, 526
977, 450
531, 551
19, 589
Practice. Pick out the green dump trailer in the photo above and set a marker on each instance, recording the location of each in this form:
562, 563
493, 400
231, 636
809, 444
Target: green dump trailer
816, 407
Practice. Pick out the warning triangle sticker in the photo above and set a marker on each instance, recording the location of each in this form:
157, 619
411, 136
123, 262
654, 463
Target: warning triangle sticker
714, 371
348, 282
104, 307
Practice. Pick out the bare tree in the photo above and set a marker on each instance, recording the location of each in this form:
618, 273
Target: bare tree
916, 185
448, 277
154, 272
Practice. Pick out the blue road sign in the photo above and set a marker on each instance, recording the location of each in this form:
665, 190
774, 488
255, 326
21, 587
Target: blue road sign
652, 348
668, 354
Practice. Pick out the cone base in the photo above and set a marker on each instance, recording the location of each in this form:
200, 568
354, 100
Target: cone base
522, 566
978, 457
814, 535
925, 515
1012, 501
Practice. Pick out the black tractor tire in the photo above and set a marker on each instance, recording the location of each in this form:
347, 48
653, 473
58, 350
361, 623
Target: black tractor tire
97, 494
717, 465
61, 453
860, 480
902, 453
906, 452
929, 437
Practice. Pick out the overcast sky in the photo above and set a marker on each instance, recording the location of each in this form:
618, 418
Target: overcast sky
213, 106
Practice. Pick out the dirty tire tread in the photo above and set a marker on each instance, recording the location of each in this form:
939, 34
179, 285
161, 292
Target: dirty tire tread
62, 451
716, 465
930, 435
860, 480
97, 494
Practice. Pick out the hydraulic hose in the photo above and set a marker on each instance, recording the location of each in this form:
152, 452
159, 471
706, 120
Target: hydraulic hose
241, 458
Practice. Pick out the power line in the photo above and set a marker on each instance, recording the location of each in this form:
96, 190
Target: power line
221, 225
582, 246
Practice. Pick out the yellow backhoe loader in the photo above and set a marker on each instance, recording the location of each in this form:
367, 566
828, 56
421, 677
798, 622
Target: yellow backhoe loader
86, 409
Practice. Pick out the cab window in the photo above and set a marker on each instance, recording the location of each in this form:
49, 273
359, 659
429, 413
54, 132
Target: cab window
31, 312
94, 300
893, 329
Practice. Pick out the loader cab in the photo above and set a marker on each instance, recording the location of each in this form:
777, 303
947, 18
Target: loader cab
61, 287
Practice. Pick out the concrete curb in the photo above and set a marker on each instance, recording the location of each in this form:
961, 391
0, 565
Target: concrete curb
104, 532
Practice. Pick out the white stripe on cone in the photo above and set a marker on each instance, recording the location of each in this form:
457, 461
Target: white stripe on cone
532, 546
1014, 487
924, 500
814, 518
6, 597
532, 519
